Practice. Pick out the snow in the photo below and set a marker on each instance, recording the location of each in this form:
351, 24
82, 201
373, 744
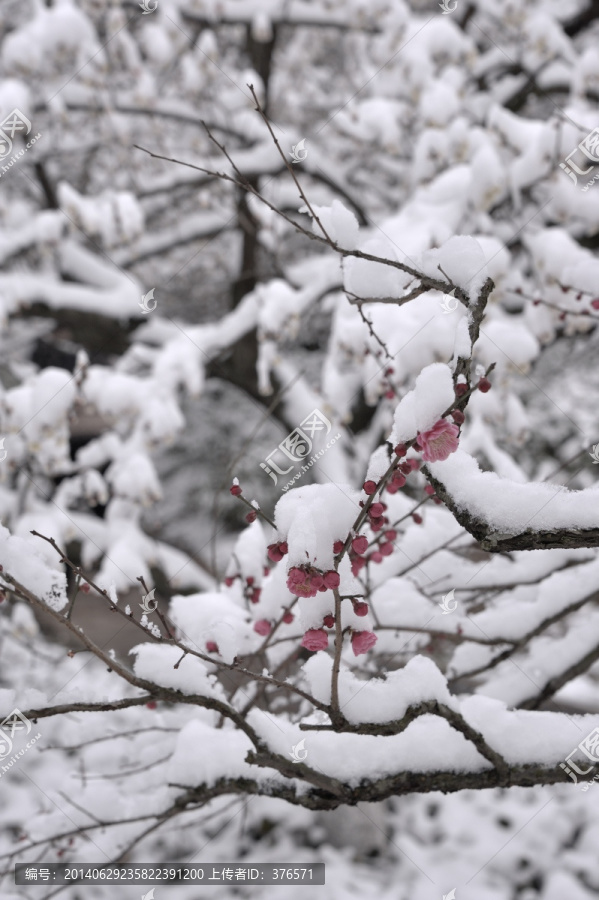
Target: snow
212, 617
19, 558
379, 700
339, 223
420, 408
512, 507
463, 261
312, 518
156, 664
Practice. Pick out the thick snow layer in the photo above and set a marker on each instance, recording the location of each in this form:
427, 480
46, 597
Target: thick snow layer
377, 699
462, 259
20, 557
312, 518
204, 754
511, 507
419, 409
212, 617
156, 663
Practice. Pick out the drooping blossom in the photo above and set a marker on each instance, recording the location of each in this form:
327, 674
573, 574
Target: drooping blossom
362, 641
315, 639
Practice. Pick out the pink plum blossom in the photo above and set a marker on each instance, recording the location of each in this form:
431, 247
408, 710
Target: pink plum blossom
362, 641
439, 441
315, 639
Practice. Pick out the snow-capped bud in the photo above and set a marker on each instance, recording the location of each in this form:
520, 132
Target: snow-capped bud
360, 608
400, 450
329, 621
235, 489
369, 487
484, 385
284, 547
262, 627
461, 389
338, 547
211, 647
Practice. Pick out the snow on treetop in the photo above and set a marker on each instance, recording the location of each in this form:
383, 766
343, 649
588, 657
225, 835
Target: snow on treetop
510, 507
422, 407
312, 518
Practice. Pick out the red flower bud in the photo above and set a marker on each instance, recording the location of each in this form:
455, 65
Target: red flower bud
458, 416
360, 544
484, 385
235, 490
361, 609
369, 487
331, 579
401, 450
329, 621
